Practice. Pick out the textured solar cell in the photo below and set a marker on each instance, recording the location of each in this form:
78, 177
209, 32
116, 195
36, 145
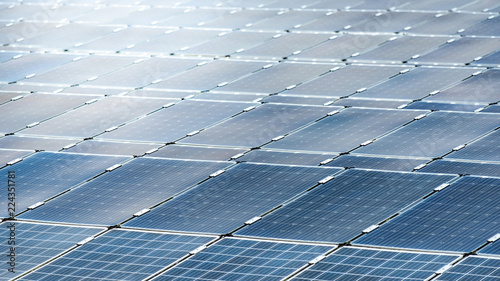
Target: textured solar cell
473, 268
239, 259
96, 117
197, 152
38, 243
116, 194
120, 255
285, 158
226, 202
259, 125
462, 167
434, 135
46, 174
346, 130
352, 263
174, 122
378, 163
459, 218
342, 208
486, 148
112, 148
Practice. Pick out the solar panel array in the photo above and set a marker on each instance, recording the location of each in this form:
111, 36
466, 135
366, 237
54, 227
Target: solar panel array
250, 140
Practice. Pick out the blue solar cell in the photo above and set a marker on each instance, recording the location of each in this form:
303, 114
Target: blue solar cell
489, 60
45, 174
226, 202
38, 243
491, 249
342, 208
378, 163
345, 130
486, 148
259, 125
434, 135
473, 268
172, 123
120, 255
118, 195
459, 218
488, 27
197, 152
238, 259
462, 167
352, 263
282, 157
492, 108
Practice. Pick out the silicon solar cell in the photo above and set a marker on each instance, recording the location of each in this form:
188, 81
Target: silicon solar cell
479, 88
378, 163
342, 208
485, 149
417, 83
112, 148
42, 106
460, 51
336, 21
448, 106
459, 218
38, 243
346, 130
284, 158
46, 174
239, 259
345, 81
491, 249
286, 20
259, 125
353, 263
197, 152
276, 78
342, 47
434, 135
160, 180
462, 167
492, 108
473, 268
34, 143
488, 27
239, 19
391, 22
164, 125
449, 23
8, 155
226, 202
489, 60
120, 255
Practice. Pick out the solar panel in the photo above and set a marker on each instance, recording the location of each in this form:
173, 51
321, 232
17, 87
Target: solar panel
226, 202
91, 91
489, 60
112, 148
276, 78
346, 130
156, 180
435, 5
42, 106
336, 21
241, 259
481, 6
135, 15
197, 152
194, 17
378, 103
120, 255
287, 20
460, 51
448, 106
342, 208
34, 143
163, 126
473, 268
485, 28
462, 167
96, 117
223, 96
46, 174
160, 93
459, 218
492, 108
341, 47
479, 88
38, 243
449, 23
7, 155
417, 83
485, 148
392, 22
284, 98
442, 130
353, 263
491, 249
260, 125
239, 19
345, 81
379, 163
334, 5
11, 32
284, 158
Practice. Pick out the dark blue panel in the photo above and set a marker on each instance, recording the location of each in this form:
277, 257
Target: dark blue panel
238, 259
117, 195
462, 167
473, 268
340, 209
38, 243
226, 202
460, 218
345, 130
120, 255
280, 157
486, 148
378, 163
351, 263
46, 174
434, 135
